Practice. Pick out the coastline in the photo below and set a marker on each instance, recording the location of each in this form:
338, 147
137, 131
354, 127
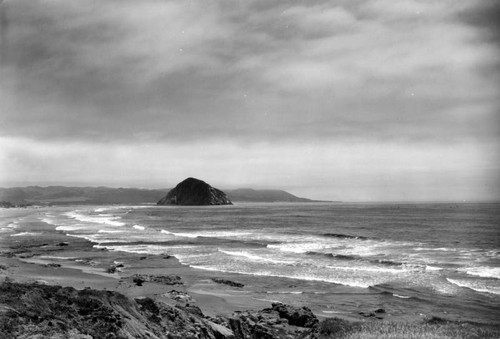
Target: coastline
36, 253
42, 254
54, 258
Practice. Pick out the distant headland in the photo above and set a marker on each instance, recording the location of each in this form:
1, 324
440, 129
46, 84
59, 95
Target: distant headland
63, 195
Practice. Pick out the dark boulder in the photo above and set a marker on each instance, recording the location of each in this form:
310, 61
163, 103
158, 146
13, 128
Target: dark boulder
138, 279
228, 282
302, 317
195, 192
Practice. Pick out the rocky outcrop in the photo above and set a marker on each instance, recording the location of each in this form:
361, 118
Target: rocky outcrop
227, 282
139, 279
42, 311
195, 192
280, 321
179, 296
302, 317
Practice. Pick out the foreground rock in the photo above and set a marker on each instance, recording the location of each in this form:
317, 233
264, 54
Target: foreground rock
280, 321
195, 192
302, 317
227, 282
42, 311
139, 279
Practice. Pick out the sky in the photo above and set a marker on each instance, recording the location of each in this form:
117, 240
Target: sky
352, 100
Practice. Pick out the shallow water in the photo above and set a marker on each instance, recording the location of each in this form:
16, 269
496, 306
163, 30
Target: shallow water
413, 257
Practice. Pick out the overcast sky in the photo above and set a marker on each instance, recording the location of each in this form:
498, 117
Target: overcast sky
354, 100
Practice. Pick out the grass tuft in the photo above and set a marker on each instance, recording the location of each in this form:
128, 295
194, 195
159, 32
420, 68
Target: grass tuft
336, 328
433, 328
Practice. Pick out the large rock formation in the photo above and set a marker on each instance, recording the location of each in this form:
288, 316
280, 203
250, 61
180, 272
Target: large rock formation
195, 192
41, 311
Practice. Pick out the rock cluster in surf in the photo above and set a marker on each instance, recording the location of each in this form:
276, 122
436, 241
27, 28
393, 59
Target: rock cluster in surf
195, 192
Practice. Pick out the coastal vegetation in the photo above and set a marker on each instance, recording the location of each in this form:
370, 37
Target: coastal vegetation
430, 328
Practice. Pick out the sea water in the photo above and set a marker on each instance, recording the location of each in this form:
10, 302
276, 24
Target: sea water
424, 256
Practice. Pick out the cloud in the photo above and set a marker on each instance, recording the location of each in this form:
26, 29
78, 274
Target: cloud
129, 41
340, 171
376, 46
255, 78
485, 15
173, 70
81, 66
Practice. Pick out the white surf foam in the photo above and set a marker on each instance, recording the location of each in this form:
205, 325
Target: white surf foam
436, 249
186, 235
483, 272
56, 257
479, 286
432, 268
9, 227
25, 234
208, 234
299, 247
75, 227
106, 219
348, 246
114, 208
367, 269
49, 221
241, 254
179, 234
351, 282
110, 231
12, 225
254, 257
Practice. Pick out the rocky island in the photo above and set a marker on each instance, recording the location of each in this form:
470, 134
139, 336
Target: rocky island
195, 192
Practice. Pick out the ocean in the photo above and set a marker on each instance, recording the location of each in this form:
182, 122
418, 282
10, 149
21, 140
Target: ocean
411, 259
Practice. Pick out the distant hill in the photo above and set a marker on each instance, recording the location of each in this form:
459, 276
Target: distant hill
251, 195
62, 195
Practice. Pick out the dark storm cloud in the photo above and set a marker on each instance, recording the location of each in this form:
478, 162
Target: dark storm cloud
485, 15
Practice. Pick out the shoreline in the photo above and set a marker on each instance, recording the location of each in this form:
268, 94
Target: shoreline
42, 255
58, 259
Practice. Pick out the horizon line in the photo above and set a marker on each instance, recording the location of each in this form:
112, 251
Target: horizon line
462, 201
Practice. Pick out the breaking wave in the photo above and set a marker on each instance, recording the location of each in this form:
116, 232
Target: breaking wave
344, 236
